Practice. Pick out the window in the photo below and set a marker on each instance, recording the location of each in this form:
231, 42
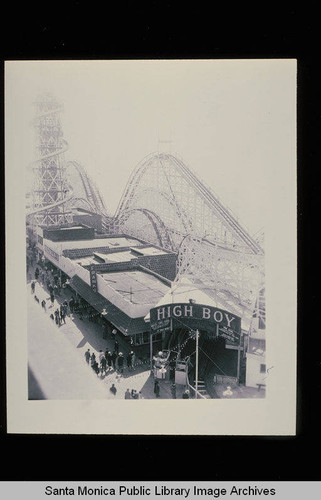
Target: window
262, 368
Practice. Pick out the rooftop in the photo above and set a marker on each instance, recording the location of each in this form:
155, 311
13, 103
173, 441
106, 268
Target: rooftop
138, 287
111, 242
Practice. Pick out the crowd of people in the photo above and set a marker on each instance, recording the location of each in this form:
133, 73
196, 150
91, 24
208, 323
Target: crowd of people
108, 361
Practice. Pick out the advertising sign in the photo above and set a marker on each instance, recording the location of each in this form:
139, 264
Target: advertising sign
197, 316
93, 279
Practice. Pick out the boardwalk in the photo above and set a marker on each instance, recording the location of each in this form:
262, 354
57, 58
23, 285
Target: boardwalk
57, 366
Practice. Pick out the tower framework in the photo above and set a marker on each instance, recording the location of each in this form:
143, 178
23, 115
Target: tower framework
50, 190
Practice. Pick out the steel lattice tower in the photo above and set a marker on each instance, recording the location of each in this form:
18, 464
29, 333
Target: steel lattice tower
50, 189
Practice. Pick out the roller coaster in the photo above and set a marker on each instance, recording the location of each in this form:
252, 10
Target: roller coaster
164, 203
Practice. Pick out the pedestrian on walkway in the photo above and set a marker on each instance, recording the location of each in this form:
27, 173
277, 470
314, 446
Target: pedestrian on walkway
33, 287
129, 361
93, 358
173, 390
140, 396
133, 358
37, 273
57, 318
120, 362
87, 356
100, 355
113, 359
113, 389
186, 394
116, 346
43, 304
127, 394
66, 308
103, 364
156, 388
108, 358
95, 367
52, 298
62, 314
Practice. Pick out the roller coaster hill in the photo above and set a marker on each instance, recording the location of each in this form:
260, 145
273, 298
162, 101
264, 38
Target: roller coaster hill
204, 309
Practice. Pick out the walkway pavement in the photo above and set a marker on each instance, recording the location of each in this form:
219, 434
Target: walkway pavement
57, 366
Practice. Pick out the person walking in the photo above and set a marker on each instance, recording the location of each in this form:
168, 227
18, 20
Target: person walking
127, 394
100, 355
120, 362
156, 388
33, 287
87, 356
95, 367
103, 365
66, 308
62, 314
57, 319
43, 304
37, 273
52, 298
129, 361
173, 390
116, 346
93, 358
113, 359
133, 358
113, 389
108, 358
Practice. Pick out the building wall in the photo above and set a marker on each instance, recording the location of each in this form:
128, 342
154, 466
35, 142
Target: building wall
84, 233
254, 373
165, 265
91, 220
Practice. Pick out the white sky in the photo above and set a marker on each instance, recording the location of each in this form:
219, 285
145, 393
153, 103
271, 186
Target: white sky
232, 121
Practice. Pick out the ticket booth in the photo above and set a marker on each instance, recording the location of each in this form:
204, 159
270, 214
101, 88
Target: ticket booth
181, 370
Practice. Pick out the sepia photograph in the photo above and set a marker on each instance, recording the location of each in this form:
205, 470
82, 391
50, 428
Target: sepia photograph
154, 230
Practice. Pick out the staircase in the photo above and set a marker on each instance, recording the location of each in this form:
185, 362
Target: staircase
201, 388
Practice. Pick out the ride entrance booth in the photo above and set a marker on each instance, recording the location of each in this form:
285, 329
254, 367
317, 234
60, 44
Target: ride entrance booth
215, 353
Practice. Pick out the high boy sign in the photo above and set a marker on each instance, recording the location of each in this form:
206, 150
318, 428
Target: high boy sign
204, 317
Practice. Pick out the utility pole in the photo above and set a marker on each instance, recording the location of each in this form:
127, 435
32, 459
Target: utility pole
151, 350
196, 367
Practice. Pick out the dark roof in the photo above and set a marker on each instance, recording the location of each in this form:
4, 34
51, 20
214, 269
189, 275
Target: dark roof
124, 323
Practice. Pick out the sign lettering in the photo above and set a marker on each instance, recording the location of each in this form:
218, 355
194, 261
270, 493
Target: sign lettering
93, 279
223, 323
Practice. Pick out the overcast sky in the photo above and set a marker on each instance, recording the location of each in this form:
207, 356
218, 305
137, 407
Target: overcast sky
232, 121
